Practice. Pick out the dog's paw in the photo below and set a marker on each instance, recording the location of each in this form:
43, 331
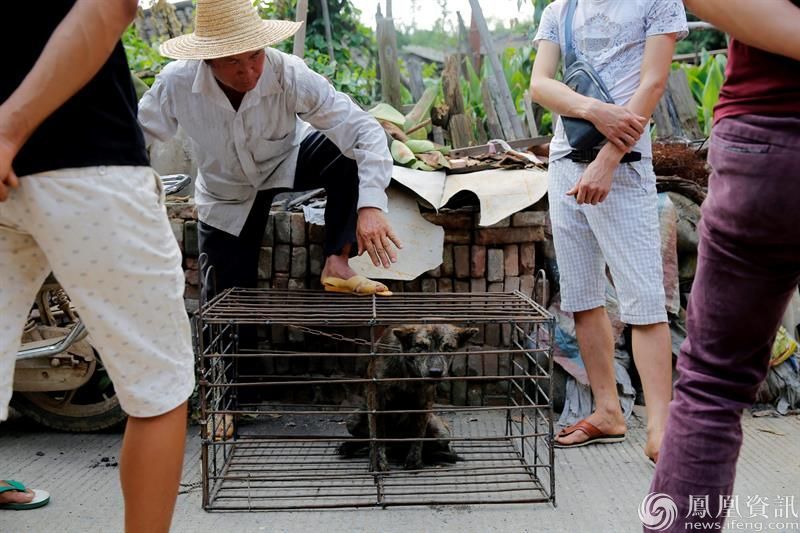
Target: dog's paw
414, 462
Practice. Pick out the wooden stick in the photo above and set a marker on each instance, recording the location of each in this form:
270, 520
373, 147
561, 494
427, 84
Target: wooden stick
502, 85
326, 17
300, 37
419, 126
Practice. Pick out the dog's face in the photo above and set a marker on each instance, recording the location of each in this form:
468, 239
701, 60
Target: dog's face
438, 341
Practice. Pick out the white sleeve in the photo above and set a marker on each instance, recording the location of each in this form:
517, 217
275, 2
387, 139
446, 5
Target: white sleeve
354, 131
155, 114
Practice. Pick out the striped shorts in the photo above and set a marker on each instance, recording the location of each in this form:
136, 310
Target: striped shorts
621, 233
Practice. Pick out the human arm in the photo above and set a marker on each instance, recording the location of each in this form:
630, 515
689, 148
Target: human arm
78, 47
772, 28
621, 126
595, 184
360, 137
156, 116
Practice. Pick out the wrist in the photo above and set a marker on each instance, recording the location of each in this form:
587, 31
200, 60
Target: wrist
588, 111
610, 155
12, 130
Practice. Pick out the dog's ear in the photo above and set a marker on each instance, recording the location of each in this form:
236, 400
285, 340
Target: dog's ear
465, 334
405, 335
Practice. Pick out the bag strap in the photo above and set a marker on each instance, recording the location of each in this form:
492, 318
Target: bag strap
571, 56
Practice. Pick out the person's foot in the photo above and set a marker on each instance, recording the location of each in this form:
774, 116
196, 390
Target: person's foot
337, 266
609, 424
13, 496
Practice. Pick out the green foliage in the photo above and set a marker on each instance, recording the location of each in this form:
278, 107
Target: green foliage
705, 82
144, 60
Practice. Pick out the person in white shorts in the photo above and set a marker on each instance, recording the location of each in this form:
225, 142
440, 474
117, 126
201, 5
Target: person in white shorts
603, 202
77, 196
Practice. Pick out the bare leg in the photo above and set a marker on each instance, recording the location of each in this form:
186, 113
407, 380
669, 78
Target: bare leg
652, 352
338, 266
150, 469
596, 343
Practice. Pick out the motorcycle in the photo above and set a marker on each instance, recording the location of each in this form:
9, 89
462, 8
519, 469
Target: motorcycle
59, 378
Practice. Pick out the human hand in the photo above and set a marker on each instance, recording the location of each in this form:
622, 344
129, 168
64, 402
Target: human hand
619, 125
8, 179
375, 236
595, 183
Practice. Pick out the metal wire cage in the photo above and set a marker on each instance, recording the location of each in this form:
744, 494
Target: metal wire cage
289, 408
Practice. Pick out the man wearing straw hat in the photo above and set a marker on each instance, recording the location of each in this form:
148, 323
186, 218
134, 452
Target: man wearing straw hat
262, 122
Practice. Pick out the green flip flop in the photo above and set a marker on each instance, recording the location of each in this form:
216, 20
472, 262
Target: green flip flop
40, 497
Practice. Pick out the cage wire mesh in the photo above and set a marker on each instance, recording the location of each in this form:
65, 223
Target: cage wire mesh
294, 403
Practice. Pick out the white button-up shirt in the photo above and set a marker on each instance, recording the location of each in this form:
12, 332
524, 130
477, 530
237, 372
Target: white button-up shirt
240, 152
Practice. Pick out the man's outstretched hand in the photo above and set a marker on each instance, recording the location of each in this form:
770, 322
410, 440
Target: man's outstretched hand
375, 236
8, 180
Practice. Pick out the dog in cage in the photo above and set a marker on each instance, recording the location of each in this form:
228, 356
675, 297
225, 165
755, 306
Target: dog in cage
410, 351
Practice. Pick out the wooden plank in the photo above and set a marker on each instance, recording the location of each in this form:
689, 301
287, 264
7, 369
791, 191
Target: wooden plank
451, 85
300, 36
415, 72
461, 130
502, 86
492, 120
326, 19
520, 144
530, 115
502, 111
389, 65
676, 113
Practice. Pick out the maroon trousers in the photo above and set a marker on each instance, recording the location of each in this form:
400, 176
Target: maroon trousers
749, 266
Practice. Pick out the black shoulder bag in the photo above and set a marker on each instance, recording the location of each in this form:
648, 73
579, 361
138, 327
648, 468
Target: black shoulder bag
582, 78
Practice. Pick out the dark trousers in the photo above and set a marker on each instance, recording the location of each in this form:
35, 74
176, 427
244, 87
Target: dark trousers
749, 267
320, 165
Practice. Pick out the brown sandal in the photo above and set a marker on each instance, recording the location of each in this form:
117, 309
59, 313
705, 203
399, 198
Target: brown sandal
590, 430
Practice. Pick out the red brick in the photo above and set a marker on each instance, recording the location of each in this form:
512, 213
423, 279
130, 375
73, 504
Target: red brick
448, 267
495, 270
529, 218
495, 287
191, 263
478, 263
511, 259
445, 285
436, 272
282, 255
458, 237
461, 259
527, 258
413, 286
526, 284
494, 237
298, 229
477, 285
511, 284
192, 277
265, 264
450, 220
462, 286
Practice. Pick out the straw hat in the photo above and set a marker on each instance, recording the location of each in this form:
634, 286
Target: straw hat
225, 28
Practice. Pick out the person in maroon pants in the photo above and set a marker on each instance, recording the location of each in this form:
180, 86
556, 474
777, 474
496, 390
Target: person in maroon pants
749, 257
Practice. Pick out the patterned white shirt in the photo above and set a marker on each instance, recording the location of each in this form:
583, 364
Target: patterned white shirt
255, 148
610, 35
